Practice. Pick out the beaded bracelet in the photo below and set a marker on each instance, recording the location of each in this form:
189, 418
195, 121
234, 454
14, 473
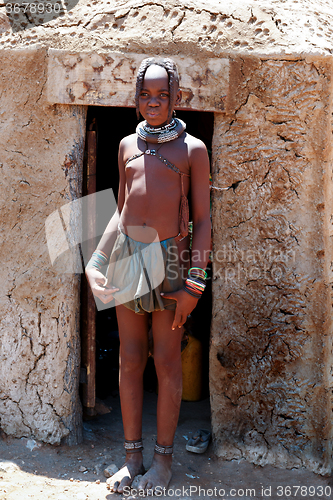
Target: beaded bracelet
196, 295
197, 271
98, 260
195, 284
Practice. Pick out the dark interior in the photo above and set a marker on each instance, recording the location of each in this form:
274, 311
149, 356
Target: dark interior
112, 124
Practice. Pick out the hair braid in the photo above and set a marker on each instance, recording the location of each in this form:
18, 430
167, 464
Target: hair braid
139, 81
173, 82
171, 68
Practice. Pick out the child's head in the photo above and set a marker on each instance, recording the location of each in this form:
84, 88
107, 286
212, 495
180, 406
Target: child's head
171, 69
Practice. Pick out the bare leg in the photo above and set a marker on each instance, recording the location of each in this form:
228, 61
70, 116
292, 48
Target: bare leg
167, 356
133, 334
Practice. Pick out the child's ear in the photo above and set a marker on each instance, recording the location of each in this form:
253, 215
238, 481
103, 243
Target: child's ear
179, 97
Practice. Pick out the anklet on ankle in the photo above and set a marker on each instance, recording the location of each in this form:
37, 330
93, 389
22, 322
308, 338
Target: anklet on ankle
163, 450
133, 446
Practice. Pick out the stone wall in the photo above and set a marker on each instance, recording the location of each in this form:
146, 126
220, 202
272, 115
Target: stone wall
271, 355
41, 166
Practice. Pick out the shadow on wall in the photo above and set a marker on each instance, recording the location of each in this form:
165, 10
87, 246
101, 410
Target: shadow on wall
24, 15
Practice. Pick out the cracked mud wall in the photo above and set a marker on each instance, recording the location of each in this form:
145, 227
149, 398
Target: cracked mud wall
41, 167
271, 354
170, 26
271, 333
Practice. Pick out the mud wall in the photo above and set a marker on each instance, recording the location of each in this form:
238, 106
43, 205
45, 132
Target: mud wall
173, 26
271, 332
271, 355
41, 165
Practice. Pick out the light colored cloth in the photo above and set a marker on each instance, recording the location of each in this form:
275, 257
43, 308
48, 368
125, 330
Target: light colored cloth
142, 271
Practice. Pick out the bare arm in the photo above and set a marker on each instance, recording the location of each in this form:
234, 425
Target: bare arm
199, 163
200, 198
96, 279
109, 236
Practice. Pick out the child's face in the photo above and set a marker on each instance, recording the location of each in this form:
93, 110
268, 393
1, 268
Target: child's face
155, 96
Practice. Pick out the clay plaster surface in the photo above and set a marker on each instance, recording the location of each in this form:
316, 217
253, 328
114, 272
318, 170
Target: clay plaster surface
272, 329
108, 79
41, 156
271, 345
53, 473
213, 27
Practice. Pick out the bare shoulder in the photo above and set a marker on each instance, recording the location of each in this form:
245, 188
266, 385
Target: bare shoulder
127, 147
197, 151
193, 143
128, 142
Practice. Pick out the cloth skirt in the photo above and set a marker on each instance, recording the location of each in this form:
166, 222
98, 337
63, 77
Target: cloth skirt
142, 271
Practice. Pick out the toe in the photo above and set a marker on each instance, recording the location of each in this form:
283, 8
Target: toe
149, 485
126, 481
142, 484
114, 486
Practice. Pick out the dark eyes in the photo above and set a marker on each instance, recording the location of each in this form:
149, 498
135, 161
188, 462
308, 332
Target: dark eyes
145, 94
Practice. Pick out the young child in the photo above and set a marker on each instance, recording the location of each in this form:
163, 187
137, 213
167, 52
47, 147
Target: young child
158, 167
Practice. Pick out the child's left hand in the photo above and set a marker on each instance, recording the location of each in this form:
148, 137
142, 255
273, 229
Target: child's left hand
185, 305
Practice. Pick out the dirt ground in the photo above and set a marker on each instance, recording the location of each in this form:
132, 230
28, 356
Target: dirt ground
29, 470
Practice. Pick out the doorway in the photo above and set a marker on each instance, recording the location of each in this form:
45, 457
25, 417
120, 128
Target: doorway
111, 125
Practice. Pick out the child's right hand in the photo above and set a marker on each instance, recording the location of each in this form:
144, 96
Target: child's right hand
97, 282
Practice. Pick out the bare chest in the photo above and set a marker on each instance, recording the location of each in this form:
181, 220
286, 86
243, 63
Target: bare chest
153, 168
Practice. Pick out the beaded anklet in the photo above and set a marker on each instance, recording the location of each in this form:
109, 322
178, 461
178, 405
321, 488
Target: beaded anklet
163, 450
195, 284
98, 260
133, 446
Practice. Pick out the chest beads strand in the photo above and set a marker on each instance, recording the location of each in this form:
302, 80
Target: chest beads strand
159, 135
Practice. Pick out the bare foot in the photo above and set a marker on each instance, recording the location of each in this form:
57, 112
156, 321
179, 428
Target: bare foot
159, 474
126, 474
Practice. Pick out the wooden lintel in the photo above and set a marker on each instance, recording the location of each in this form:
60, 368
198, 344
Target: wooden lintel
108, 79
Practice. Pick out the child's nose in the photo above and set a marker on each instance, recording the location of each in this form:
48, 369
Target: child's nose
153, 101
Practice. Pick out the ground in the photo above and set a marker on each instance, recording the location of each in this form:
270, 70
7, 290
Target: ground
53, 473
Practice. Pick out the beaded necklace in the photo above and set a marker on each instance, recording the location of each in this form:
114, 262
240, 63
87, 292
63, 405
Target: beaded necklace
160, 135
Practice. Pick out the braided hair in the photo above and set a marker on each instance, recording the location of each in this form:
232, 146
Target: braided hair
171, 68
